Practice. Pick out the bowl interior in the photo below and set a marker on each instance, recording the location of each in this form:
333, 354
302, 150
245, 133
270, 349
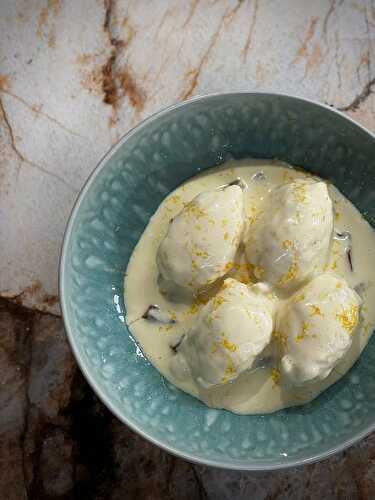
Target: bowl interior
110, 216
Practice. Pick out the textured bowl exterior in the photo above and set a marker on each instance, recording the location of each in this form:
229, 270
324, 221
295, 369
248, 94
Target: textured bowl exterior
111, 214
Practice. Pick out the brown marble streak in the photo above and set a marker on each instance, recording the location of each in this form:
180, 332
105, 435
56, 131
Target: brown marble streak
21, 157
301, 53
193, 75
53, 7
328, 16
118, 81
193, 7
34, 108
249, 37
359, 98
35, 291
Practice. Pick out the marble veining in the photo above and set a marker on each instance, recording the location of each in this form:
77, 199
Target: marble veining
74, 77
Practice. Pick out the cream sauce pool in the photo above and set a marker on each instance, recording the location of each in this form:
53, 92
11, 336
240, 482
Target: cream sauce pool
256, 391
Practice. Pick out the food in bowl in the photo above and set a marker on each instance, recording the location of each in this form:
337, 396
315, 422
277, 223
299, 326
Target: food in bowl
251, 286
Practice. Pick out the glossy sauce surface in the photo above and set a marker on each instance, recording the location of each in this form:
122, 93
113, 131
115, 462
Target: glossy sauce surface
258, 391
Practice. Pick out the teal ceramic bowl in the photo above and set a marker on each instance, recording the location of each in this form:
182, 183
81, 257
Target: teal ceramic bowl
111, 214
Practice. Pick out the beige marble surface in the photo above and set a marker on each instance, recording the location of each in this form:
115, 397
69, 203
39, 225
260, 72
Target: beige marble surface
75, 75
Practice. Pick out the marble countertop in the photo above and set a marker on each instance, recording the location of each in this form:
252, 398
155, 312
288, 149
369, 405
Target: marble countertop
74, 77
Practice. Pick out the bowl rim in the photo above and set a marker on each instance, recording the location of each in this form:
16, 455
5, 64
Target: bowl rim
283, 462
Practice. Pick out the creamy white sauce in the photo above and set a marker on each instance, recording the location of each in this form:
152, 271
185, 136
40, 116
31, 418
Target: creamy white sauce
256, 391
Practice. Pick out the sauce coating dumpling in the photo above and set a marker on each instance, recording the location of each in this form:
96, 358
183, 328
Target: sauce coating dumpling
202, 241
316, 328
230, 332
292, 236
